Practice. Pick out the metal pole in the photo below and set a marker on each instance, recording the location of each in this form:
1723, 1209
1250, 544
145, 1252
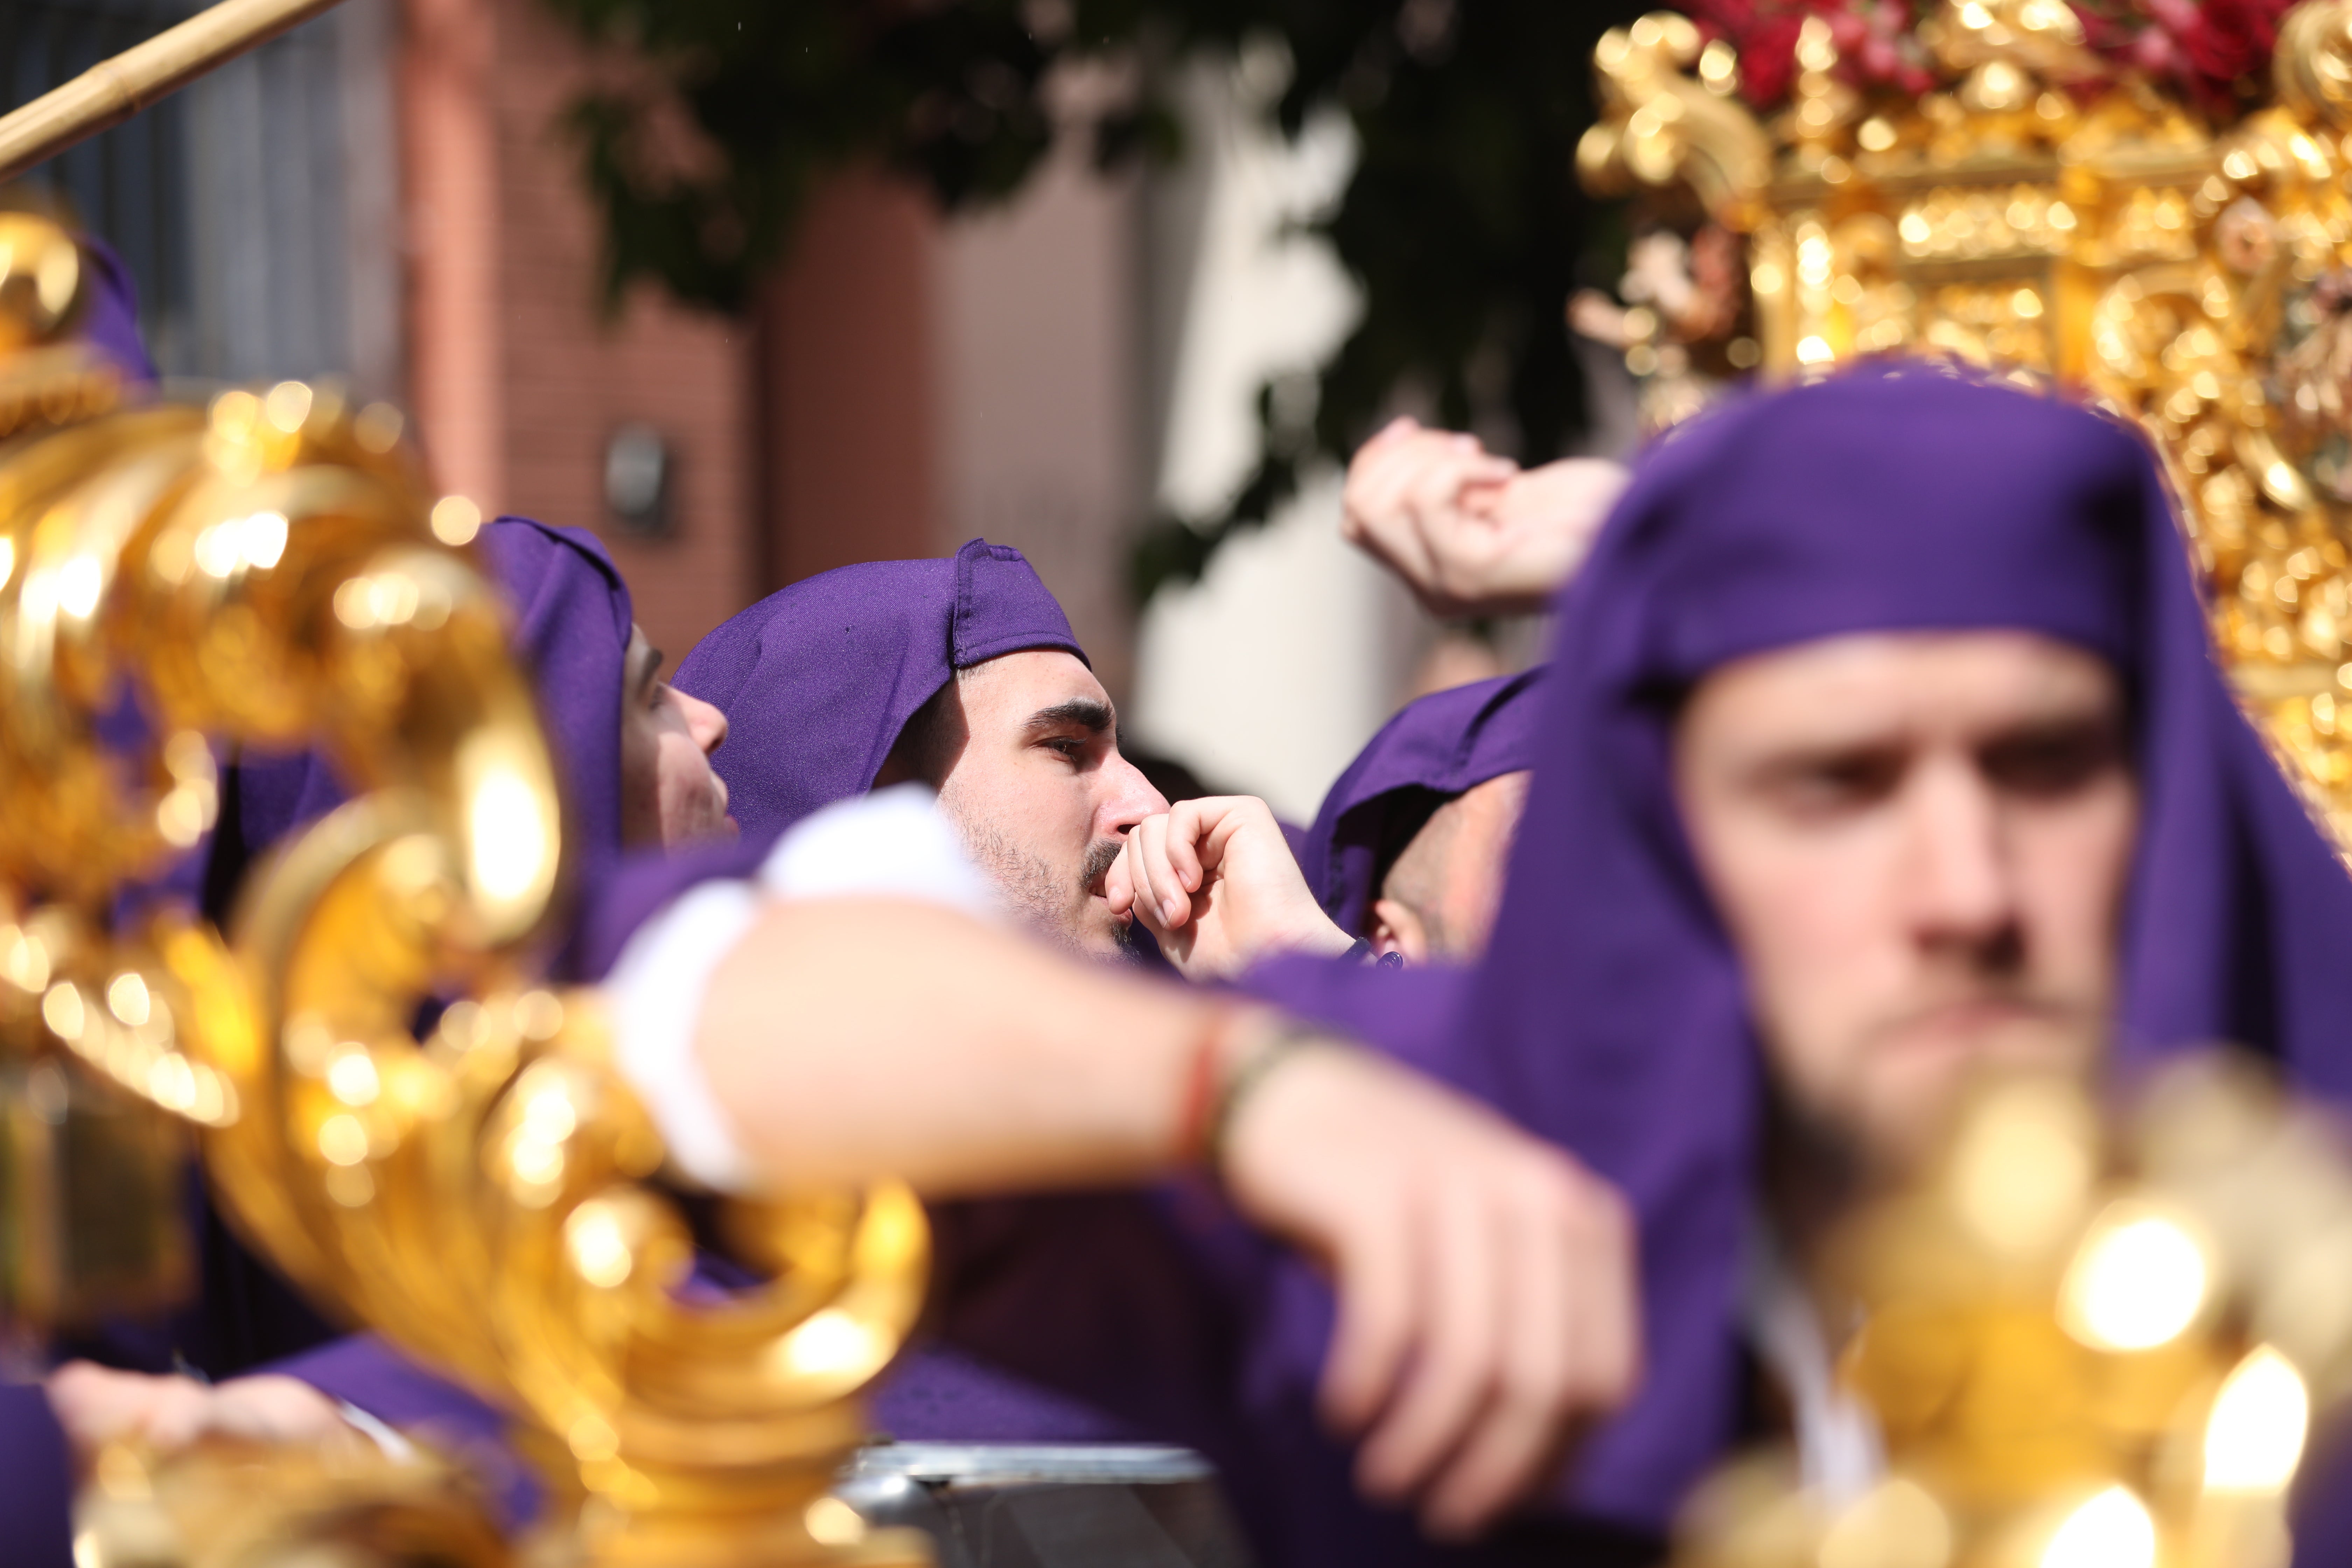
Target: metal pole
111, 91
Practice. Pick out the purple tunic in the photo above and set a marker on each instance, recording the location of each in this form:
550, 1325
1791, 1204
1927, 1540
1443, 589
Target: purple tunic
817, 679
110, 314
1614, 1021
36, 1480
1440, 745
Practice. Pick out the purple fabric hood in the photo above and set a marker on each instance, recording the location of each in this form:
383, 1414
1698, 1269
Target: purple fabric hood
817, 679
1443, 744
109, 314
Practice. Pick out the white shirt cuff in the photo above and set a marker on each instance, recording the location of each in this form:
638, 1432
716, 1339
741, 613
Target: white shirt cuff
893, 843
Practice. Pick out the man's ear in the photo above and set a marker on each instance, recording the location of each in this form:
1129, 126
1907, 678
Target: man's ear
1396, 928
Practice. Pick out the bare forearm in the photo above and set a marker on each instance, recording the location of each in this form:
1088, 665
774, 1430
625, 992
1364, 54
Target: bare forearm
852, 1039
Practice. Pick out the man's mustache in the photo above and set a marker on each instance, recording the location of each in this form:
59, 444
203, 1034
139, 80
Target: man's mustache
1101, 856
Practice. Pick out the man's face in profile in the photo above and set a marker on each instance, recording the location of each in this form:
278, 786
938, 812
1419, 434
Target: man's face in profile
1919, 845
1038, 789
670, 795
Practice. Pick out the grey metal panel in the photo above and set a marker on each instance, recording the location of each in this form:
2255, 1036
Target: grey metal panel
240, 203
991, 1505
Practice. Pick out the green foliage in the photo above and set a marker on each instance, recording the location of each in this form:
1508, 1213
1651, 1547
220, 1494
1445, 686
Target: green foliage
1462, 222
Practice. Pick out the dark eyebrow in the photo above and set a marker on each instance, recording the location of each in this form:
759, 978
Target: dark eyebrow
652, 661
1083, 713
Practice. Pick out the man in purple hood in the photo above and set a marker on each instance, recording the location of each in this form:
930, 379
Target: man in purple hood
959, 673
1409, 847
1882, 739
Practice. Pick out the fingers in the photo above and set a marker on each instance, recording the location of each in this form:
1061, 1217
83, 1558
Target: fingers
1487, 1282
1399, 480
1369, 471
1188, 823
1607, 1263
1569, 1346
1159, 902
96, 1404
1378, 1308
180, 1414
1546, 1338
1456, 1357
273, 1408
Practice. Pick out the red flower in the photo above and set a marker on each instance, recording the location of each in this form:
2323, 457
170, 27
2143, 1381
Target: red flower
1768, 58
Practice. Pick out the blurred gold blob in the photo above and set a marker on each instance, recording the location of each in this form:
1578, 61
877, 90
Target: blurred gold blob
2037, 214
2113, 1529
2253, 1438
40, 280
2079, 1381
271, 571
2137, 1282
1897, 1524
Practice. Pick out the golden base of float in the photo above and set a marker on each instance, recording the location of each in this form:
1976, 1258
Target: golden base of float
2039, 212
2087, 1340
270, 572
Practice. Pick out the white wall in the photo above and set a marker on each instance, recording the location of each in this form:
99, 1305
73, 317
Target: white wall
1272, 673
1039, 313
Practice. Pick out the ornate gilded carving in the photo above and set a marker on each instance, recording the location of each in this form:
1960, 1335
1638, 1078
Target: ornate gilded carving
269, 571
1659, 126
2090, 1338
2037, 211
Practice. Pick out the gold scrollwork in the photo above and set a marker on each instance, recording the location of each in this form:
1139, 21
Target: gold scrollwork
270, 572
1659, 126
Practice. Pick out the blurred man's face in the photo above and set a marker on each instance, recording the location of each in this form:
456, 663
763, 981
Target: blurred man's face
1439, 898
1919, 845
670, 795
1038, 789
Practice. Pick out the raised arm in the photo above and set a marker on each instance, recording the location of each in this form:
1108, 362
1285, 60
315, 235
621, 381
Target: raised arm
1470, 533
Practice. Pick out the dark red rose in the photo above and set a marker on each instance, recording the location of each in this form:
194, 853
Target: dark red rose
1767, 59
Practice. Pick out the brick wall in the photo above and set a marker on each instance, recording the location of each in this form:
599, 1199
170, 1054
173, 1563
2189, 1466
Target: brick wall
520, 379
905, 382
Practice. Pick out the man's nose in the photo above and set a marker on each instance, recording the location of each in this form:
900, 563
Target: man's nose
1962, 889
1128, 797
705, 724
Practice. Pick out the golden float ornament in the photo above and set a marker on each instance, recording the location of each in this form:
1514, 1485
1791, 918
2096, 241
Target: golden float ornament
2089, 1337
269, 571
2020, 201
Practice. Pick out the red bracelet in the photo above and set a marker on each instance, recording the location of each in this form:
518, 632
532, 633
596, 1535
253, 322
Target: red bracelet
1204, 1076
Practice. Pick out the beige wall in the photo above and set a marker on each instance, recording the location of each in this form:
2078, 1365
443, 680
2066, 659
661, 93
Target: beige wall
1039, 321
